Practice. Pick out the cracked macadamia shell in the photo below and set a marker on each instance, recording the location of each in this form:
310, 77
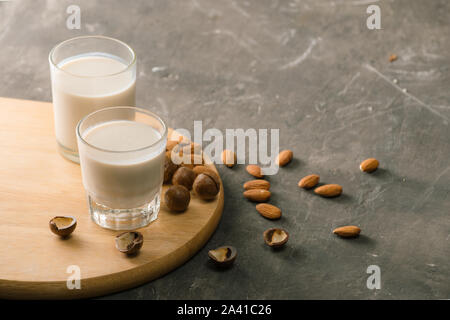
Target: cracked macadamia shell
63, 225
129, 242
223, 256
276, 237
169, 167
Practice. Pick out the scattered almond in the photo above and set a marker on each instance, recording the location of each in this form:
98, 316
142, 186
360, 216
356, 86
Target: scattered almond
254, 170
257, 195
268, 211
329, 190
393, 57
309, 182
347, 231
369, 165
229, 158
257, 184
63, 226
284, 157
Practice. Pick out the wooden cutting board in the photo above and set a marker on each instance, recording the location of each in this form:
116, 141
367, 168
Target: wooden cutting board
36, 183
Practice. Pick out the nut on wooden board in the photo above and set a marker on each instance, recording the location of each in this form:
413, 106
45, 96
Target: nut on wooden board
129, 242
369, 165
63, 226
347, 231
284, 157
169, 167
206, 185
184, 176
177, 198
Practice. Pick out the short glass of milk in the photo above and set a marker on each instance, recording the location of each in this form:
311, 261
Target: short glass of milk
122, 152
88, 73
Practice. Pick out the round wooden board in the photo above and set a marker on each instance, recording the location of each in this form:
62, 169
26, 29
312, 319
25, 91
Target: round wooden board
37, 184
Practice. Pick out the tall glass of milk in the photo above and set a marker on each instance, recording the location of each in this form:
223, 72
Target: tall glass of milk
88, 73
122, 152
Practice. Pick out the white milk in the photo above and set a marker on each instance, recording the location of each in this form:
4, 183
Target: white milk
125, 179
85, 84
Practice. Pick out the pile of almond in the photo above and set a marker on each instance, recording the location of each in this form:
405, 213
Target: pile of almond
191, 174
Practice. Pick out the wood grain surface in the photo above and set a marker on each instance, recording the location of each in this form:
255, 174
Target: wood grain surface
37, 184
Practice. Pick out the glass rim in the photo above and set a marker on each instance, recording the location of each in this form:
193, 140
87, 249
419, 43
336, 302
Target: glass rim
128, 66
149, 113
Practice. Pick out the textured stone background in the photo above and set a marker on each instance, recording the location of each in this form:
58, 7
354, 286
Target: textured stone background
312, 69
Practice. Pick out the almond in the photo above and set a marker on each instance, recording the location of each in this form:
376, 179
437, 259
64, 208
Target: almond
347, 231
192, 161
187, 148
207, 185
224, 256
257, 195
284, 157
200, 169
254, 170
229, 158
329, 190
196, 148
171, 144
369, 165
309, 181
268, 211
257, 184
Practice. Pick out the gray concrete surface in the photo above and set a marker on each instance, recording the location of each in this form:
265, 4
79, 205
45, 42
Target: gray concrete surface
312, 69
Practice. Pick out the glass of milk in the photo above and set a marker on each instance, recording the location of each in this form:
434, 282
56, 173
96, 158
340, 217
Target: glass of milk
121, 152
88, 73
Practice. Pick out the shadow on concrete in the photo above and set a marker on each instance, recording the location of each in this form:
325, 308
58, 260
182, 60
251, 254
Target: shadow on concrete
380, 173
293, 165
214, 267
364, 240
